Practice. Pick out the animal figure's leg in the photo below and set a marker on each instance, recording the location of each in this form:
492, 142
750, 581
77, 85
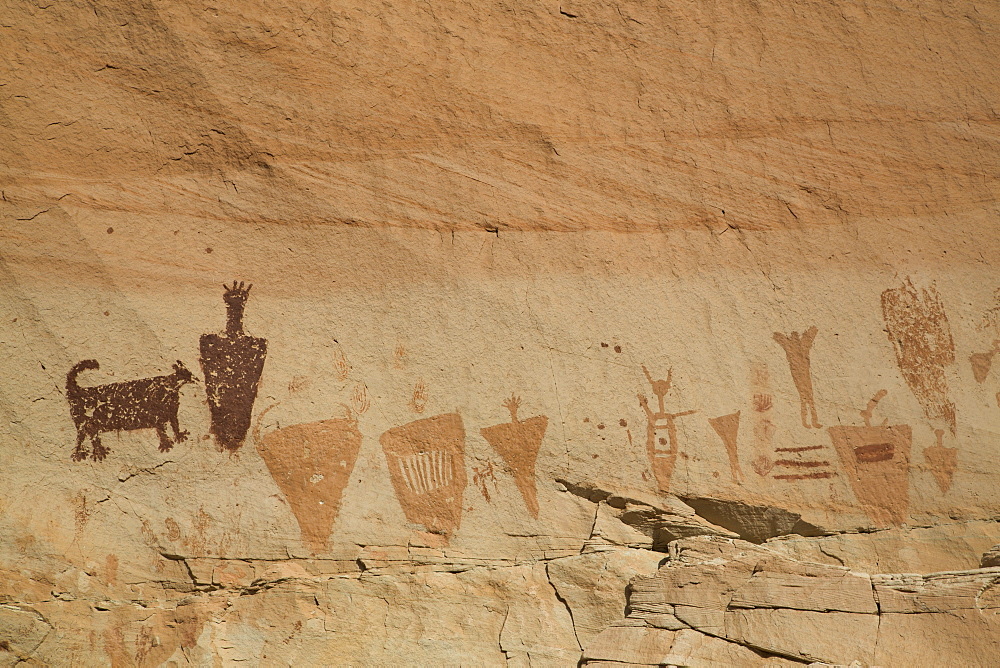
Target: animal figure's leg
812, 409
80, 453
100, 452
804, 410
165, 443
178, 434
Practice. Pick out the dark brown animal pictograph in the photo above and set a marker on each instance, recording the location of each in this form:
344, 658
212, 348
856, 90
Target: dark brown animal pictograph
148, 403
662, 460
232, 362
797, 348
918, 329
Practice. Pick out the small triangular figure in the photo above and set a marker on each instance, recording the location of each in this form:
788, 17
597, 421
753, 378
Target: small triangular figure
518, 442
727, 427
942, 461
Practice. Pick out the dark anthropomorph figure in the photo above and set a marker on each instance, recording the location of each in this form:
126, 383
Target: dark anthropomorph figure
232, 362
147, 403
797, 348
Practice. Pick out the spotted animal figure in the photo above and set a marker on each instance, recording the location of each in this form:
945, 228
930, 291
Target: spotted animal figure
147, 403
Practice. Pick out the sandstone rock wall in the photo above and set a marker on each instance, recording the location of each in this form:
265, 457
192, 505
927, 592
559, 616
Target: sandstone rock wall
543, 295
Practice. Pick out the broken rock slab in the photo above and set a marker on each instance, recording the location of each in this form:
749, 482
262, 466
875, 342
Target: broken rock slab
593, 585
753, 523
952, 546
661, 518
621, 646
991, 557
782, 609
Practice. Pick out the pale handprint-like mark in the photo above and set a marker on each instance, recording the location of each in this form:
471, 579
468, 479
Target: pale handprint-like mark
360, 401
341, 365
419, 401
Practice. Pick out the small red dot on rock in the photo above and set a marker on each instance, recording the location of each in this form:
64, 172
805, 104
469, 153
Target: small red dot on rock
111, 230
208, 250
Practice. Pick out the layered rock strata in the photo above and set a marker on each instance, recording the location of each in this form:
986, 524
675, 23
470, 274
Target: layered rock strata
544, 294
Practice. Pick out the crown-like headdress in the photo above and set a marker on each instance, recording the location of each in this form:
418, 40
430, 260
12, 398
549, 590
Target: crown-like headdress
236, 294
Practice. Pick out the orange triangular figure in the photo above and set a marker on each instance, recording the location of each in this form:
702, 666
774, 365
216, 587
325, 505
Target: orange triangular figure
877, 461
427, 467
942, 461
727, 427
312, 464
518, 442
981, 363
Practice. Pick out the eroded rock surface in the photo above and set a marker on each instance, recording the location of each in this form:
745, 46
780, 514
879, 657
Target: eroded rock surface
423, 333
722, 600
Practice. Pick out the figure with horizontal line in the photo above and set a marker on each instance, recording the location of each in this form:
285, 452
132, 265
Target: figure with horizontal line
877, 460
662, 459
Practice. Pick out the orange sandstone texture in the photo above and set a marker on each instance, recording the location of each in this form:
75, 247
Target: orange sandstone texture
687, 240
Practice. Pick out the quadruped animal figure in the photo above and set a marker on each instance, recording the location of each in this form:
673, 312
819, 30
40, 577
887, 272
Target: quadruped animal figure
147, 403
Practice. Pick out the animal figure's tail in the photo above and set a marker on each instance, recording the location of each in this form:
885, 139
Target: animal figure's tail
85, 365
